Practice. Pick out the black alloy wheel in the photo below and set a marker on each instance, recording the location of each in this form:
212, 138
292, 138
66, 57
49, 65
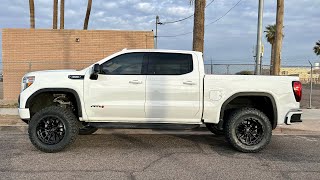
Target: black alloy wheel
249, 132
53, 128
50, 130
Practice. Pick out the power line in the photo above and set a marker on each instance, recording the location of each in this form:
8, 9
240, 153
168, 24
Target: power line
225, 13
170, 22
178, 34
208, 23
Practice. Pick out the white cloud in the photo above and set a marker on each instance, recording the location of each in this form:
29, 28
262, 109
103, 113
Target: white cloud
179, 11
110, 5
145, 7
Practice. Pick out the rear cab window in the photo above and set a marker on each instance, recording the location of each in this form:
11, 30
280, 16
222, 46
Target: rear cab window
169, 64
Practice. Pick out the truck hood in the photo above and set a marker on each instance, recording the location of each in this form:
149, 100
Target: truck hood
56, 73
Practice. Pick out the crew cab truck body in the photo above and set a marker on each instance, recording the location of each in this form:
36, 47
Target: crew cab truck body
148, 86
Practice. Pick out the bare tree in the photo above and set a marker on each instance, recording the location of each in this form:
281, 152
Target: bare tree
61, 14
32, 19
86, 20
279, 37
55, 14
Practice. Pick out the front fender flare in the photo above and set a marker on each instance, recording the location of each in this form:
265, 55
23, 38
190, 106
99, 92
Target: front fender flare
60, 90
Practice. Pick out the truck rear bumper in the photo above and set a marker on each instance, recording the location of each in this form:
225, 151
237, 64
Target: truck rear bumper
293, 116
24, 113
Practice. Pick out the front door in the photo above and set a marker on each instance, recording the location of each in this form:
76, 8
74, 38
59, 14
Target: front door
119, 92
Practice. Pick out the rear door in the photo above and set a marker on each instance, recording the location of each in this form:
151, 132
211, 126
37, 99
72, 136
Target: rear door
172, 88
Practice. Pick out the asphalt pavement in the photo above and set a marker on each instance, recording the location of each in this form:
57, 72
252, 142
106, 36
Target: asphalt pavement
150, 154
162, 154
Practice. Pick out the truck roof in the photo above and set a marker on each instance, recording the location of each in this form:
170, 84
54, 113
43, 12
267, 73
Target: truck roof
159, 50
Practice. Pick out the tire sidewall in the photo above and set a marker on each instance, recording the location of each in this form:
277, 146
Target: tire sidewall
239, 117
64, 116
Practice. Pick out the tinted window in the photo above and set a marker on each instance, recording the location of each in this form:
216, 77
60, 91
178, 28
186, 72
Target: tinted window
125, 64
169, 64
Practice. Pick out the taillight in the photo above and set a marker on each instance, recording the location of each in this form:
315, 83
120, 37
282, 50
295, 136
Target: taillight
297, 90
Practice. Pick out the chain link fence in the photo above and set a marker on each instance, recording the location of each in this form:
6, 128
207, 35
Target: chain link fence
11, 74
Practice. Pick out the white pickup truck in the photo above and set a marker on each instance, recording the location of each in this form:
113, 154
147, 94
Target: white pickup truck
155, 87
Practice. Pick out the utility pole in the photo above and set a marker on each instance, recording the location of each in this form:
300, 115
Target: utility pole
198, 25
311, 82
259, 38
156, 36
279, 36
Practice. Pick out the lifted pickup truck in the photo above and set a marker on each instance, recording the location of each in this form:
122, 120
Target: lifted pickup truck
155, 87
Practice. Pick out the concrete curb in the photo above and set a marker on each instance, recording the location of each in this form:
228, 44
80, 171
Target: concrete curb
310, 124
9, 111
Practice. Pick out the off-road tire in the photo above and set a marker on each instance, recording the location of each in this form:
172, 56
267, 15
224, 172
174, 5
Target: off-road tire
65, 116
236, 121
87, 130
214, 129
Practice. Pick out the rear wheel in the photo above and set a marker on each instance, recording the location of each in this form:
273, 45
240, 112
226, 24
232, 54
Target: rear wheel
248, 130
53, 128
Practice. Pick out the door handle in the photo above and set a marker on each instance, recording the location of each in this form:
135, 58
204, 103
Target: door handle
189, 83
135, 82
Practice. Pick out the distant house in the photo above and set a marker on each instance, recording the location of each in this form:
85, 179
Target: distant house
304, 73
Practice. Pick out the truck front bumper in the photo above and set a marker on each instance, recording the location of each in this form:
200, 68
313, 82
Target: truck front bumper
294, 116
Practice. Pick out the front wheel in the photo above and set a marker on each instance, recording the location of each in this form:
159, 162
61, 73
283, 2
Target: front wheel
53, 128
248, 130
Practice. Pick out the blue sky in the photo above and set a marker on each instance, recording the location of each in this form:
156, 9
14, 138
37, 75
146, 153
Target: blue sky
230, 40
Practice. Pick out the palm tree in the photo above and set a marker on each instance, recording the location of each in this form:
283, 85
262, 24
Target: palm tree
316, 48
62, 14
32, 19
198, 25
55, 14
271, 37
86, 20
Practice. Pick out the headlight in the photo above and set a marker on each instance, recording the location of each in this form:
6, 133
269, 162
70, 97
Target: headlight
27, 81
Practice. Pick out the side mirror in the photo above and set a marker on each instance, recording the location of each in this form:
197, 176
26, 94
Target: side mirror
95, 72
96, 68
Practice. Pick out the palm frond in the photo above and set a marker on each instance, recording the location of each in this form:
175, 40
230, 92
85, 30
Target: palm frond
270, 33
316, 48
